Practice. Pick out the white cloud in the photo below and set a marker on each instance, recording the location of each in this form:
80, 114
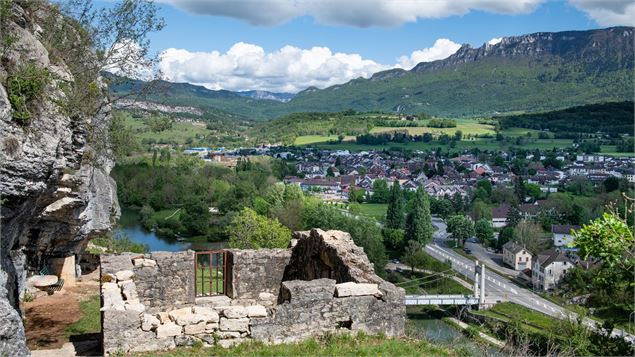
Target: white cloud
441, 49
608, 12
246, 66
358, 13
494, 41
290, 69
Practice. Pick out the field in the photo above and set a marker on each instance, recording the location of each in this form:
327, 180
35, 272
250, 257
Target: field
466, 126
178, 134
374, 210
314, 139
481, 144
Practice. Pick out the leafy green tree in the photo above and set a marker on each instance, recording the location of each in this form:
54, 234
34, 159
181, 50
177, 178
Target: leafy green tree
519, 188
481, 210
196, 218
610, 239
393, 238
513, 216
533, 191
484, 232
506, 234
356, 195
419, 221
460, 227
611, 184
441, 207
380, 191
249, 230
395, 218
414, 255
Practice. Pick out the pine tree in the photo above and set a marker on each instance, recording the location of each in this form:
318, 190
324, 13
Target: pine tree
419, 221
395, 212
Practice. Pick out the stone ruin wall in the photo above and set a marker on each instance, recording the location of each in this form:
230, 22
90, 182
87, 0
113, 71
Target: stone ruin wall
323, 284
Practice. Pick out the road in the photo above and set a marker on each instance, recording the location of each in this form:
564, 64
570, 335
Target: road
498, 288
493, 261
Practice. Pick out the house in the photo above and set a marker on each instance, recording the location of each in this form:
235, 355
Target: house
516, 256
499, 215
561, 234
548, 269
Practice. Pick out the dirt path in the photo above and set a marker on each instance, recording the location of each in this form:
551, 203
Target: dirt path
47, 317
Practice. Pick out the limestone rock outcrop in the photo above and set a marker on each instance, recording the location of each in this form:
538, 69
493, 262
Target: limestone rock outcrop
54, 172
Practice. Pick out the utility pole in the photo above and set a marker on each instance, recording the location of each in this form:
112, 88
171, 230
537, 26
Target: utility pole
477, 270
482, 295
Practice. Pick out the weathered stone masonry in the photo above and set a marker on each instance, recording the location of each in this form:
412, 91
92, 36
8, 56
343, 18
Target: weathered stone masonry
323, 284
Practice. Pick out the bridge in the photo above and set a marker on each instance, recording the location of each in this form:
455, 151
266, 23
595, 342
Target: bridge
478, 297
441, 300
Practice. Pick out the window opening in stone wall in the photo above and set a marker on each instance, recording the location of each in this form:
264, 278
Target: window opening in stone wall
210, 269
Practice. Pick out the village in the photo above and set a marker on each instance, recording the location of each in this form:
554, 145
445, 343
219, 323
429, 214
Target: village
342, 177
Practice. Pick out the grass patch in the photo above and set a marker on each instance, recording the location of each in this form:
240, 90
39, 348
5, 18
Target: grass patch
207, 280
90, 320
330, 345
374, 210
180, 133
466, 126
313, 139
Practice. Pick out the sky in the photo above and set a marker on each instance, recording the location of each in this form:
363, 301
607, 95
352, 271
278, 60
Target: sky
289, 45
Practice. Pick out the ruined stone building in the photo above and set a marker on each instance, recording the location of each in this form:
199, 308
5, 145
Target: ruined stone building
323, 284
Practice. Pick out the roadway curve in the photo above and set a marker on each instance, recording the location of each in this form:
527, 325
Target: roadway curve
498, 288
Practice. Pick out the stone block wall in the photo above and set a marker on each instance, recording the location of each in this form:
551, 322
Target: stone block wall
252, 272
323, 284
163, 279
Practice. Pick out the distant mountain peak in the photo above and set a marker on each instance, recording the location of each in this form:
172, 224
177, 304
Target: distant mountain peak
263, 94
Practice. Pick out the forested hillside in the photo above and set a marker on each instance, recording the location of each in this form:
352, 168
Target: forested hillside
611, 118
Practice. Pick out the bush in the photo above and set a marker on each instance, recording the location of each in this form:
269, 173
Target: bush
23, 86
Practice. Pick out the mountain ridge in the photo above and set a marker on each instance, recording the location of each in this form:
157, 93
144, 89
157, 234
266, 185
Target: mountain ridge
532, 72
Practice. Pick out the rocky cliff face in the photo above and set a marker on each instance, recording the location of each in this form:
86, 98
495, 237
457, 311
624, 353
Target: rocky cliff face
606, 49
54, 175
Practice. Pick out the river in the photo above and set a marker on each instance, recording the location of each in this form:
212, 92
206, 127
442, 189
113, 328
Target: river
422, 325
130, 225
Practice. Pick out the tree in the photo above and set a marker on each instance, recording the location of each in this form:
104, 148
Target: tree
484, 232
533, 191
395, 212
531, 236
393, 238
519, 189
196, 216
481, 210
249, 230
610, 239
117, 35
442, 207
461, 228
611, 184
513, 216
419, 220
356, 195
380, 191
414, 255
506, 234
458, 135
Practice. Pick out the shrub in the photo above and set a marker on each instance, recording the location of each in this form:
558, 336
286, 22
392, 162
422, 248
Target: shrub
23, 87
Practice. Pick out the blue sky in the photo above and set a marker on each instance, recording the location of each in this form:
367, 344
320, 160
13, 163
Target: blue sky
289, 45
382, 44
